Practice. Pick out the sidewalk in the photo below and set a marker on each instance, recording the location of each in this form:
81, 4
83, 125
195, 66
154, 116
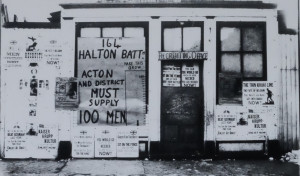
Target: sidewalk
82, 167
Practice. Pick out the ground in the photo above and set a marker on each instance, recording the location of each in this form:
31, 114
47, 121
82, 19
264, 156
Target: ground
87, 167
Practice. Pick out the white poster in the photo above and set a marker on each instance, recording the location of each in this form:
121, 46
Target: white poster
171, 76
259, 93
127, 143
47, 141
83, 143
190, 75
105, 142
16, 141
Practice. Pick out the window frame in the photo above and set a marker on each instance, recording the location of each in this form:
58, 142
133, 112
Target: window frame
180, 24
241, 52
123, 25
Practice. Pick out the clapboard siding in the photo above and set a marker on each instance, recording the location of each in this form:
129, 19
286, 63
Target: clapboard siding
289, 93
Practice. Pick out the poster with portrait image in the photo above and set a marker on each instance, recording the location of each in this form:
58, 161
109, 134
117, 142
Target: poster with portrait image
66, 93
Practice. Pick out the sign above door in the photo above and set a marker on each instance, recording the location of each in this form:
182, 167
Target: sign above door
183, 55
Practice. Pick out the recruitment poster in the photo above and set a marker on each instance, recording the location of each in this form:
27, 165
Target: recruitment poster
83, 143
16, 141
127, 143
47, 141
171, 75
190, 75
103, 64
259, 93
106, 142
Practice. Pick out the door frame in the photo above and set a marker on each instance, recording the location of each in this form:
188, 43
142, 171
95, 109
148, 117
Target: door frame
170, 24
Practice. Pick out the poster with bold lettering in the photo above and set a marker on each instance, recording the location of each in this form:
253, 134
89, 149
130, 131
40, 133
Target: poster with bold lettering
83, 143
127, 143
103, 64
53, 53
66, 93
226, 122
47, 141
16, 141
106, 142
259, 93
12, 53
190, 75
171, 75
263, 122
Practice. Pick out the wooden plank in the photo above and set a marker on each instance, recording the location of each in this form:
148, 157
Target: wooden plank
289, 91
293, 84
281, 92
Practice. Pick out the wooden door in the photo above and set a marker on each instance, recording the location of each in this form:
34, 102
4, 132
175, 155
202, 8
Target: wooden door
182, 107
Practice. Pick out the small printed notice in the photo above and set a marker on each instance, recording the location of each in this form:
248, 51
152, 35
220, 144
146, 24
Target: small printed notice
15, 141
127, 143
226, 122
171, 76
66, 93
83, 143
106, 142
190, 75
258, 93
53, 52
12, 54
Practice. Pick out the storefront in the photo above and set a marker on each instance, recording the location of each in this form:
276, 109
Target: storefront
130, 80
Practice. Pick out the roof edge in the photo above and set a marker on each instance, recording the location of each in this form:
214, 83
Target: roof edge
199, 4
32, 25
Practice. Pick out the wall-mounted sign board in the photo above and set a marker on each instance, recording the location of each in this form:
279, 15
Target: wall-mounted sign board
185, 55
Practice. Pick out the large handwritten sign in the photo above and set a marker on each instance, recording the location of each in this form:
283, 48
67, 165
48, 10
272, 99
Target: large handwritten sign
108, 70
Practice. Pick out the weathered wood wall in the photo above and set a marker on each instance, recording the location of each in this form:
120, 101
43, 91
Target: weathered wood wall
289, 93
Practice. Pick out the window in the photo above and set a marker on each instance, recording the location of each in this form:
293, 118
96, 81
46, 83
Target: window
241, 56
181, 36
111, 64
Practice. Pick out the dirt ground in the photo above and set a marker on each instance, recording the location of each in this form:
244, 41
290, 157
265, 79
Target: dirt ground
85, 167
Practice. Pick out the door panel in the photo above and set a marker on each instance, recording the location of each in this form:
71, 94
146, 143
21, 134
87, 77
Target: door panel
182, 116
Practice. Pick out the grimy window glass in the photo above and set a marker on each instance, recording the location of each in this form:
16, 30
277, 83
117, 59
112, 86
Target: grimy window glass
241, 56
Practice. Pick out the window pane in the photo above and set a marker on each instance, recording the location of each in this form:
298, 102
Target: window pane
230, 39
191, 38
252, 39
230, 89
172, 39
253, 65
134, 32
230, 63
90, 32
112, 32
